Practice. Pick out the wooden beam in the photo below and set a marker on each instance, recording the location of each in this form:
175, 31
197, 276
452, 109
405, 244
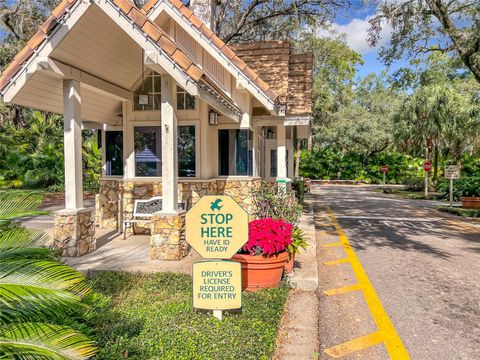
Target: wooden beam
217, 105
91, 82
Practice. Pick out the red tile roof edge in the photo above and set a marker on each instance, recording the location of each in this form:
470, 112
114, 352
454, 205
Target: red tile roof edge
35, 41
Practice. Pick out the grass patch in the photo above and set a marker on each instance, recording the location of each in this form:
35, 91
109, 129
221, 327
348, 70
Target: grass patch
409, 194
473, 213
150, 316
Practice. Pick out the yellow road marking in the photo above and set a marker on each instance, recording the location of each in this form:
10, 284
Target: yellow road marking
343, 290
336, 262
393, 343
332, 244
357, 344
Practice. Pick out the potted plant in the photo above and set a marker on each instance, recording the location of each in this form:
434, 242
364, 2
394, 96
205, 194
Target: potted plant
470, 191
265, 254
298, 241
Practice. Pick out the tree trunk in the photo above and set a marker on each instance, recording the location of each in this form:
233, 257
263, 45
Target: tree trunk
435, 163
18, 118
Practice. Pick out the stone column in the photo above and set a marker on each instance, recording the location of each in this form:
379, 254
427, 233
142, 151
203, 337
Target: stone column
74, 232
281, 156
167, 240
74, 227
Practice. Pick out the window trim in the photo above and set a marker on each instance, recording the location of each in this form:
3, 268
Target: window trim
184, 93
217, 147
139, 84
151, 124
146, 123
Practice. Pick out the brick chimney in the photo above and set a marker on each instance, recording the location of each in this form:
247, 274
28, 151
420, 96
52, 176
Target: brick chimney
205, 10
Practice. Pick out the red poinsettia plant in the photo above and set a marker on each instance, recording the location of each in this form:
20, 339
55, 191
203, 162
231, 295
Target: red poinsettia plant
268, 237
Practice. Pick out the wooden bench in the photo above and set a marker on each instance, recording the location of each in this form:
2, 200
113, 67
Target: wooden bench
143, 211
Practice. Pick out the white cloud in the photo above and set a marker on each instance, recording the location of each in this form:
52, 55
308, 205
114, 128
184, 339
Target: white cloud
356, 34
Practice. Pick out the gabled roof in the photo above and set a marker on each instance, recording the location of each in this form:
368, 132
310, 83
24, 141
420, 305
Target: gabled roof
290, 75
226, 50
139, 17
152, 31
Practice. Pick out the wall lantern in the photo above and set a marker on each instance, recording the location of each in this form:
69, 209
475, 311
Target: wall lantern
213, 118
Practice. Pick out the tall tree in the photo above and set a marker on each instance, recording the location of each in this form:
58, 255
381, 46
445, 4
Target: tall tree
271, 19
443, 117
425, 26
364, 124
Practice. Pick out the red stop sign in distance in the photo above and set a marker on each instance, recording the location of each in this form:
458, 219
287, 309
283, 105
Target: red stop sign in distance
384, 168
427, 166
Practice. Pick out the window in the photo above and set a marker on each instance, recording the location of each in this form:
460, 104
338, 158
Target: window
114, 153
185, 101
148, 95
186, 151
148, 151
273, 162
235, 152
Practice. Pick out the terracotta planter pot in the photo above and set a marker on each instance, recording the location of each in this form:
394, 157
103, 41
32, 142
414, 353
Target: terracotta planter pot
259, 272
471, 202
289, 264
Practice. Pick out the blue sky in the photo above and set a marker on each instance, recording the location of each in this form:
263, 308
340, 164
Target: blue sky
353, 23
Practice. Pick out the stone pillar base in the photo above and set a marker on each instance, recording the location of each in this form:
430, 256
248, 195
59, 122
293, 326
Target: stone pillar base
167, 239
74, 232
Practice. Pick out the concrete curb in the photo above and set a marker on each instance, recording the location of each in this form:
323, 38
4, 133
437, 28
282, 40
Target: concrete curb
305, 276
298, 333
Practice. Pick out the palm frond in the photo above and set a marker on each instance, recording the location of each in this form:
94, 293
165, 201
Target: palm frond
22, 243
42, 341
43, 274
37, 289
12, 205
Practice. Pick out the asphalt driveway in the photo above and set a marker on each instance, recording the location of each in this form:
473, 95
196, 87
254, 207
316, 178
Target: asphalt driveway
423, 265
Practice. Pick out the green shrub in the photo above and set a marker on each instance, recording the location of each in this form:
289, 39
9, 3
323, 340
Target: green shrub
271, 201
414, 183
326, 163
465, 186
298, 185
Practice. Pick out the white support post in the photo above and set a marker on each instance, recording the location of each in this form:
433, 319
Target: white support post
104, 150
169, 149
281, 156
72, 144
255, 151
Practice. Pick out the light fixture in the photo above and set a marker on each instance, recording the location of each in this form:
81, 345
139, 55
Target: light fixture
213, 118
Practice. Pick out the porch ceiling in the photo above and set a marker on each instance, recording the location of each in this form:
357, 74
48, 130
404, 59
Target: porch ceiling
45, 92
99, 47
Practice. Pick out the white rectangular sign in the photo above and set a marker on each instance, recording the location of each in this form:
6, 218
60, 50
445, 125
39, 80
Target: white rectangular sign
452, 172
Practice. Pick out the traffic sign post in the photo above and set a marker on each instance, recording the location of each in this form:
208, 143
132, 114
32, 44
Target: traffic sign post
426, 167
217, 285
384, 171
452, 172
217, 227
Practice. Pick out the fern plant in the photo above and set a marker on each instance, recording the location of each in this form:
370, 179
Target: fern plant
36, 289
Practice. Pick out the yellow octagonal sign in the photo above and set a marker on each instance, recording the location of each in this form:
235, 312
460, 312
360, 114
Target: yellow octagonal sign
216, 227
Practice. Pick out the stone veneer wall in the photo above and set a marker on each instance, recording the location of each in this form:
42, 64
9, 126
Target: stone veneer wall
74, 233
107, 204
191, 191
167, 241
